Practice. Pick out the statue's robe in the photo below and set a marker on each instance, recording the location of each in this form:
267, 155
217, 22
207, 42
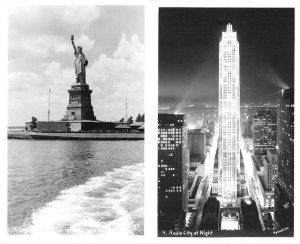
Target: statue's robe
80, 62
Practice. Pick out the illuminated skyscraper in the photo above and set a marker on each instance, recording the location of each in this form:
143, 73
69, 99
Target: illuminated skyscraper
173, 166
264, 132
284, 202
229, 115
270, 172
285, 142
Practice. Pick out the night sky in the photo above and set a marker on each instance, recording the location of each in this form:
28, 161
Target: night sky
189, 48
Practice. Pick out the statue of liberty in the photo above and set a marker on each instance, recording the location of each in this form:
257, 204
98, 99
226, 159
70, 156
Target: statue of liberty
80, 63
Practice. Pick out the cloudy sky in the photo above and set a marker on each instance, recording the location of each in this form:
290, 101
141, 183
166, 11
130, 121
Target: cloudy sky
189, 48
40, 57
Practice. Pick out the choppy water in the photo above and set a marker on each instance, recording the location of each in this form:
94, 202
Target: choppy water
72, 187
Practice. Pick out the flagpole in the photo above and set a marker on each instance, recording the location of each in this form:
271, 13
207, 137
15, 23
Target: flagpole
126, 111
49, 106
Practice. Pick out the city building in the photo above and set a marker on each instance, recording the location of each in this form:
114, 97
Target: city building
242, 186
249, 215
230, 220
270, 173
136, 125
122, 128
258, 165
265, 175
210, 214
197, 146
285, 142
246, 126
173, 167
263, 132
216, 186
229, 115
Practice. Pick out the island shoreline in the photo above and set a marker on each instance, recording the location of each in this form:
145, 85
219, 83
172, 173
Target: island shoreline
74, 136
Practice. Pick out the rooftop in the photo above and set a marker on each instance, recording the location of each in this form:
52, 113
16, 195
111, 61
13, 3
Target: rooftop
272, 151
137, 124
122, 127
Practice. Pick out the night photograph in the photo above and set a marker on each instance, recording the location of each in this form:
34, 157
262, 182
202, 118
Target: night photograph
226, 122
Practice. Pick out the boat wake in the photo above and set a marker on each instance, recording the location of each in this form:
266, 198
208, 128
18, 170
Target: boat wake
109, 204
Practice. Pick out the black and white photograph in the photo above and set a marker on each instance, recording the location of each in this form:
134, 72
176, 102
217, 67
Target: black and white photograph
226, 122
217, 82
75, 120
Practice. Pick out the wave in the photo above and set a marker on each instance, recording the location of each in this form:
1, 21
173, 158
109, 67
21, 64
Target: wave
109, 204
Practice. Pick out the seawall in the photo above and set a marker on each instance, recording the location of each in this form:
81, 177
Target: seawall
75, 136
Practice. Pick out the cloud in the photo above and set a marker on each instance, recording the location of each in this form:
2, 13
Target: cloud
133, 50
29, 91
119, 77
25, 97
41, 46
58, 78
36, 31
112, 79
22, 81
40, 57
64, 44
51, 19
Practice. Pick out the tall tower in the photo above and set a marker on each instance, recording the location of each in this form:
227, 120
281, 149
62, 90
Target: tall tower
229, 115
285, 142
80, 106
173, 166
264, 132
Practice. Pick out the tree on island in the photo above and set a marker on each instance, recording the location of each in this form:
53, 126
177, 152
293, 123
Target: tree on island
138, 118
33, 123
121, 120
130, 120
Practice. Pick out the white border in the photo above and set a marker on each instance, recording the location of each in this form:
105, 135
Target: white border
151, 98
248, 4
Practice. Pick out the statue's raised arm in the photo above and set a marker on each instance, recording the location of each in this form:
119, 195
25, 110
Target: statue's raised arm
80, 63
74, 47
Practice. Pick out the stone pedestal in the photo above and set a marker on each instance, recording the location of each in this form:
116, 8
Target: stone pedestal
80, 106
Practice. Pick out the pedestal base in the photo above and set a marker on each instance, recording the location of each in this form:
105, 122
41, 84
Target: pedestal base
79, 107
